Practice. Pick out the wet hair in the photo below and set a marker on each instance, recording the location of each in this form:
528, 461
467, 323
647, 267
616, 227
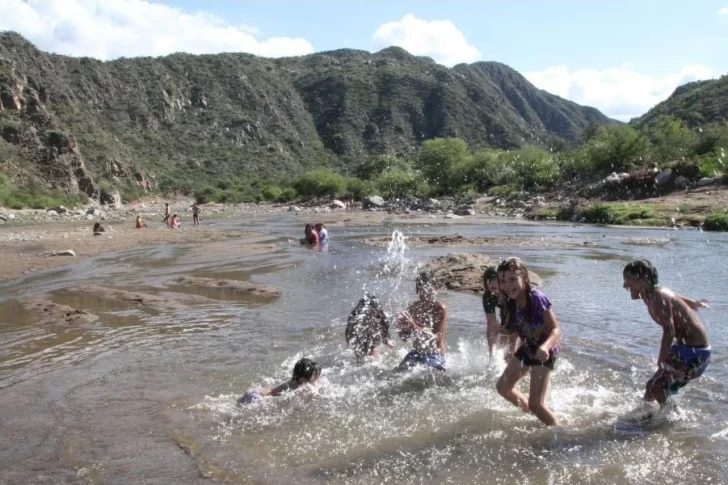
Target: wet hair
319, 224
642, 269
517, 265
308, 228
425, 278
97, 226
305, 369
489, 274
365, 338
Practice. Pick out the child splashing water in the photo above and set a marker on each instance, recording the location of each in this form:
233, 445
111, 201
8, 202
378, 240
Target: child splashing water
367, 327
530, 316
494, 298
684, 350
424, 320
305, 372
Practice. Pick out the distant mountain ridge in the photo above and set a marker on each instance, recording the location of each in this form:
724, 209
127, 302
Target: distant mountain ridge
74, 123
696, 104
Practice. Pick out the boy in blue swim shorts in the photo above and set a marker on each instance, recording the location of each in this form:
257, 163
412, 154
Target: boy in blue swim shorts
684, 351
424, 322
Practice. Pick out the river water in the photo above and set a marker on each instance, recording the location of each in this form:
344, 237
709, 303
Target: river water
146, 396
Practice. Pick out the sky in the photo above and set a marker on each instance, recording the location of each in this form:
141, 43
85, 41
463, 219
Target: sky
620, 56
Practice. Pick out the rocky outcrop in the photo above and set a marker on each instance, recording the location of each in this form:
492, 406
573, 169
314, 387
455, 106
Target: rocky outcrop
233, 287
464, 271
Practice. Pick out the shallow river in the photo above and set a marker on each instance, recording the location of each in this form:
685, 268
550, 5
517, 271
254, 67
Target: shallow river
147, 396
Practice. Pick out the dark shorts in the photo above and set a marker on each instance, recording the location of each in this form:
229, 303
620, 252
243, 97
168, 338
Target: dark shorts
430, 359
524, 356
684, 363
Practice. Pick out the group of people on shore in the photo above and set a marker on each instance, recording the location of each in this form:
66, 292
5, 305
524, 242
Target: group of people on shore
172, 220
528, 329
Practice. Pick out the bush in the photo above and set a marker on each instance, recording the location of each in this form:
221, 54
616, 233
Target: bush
271, 193
716, 220
615, 148
287, 194
320, 183
397, 183
359, 188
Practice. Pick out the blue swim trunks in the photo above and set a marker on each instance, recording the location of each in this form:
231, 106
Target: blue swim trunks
431, 359
685, 363
250, 397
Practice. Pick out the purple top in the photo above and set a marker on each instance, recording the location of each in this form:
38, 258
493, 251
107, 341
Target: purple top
531, 328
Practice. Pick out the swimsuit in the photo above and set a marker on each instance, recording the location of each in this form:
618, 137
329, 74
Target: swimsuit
683, 364
431, 359
532, 330
250, 397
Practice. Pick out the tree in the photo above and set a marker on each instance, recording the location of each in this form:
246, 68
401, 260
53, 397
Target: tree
671, 139
437, 157
616, 148
320, 182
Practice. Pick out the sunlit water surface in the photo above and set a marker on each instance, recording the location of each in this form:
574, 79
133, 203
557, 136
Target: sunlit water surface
149, 396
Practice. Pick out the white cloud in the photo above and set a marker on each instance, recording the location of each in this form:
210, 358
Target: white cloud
723, 11
439, 39
107, 29
619, 92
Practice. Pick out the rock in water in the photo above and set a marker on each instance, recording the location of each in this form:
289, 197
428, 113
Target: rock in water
464, 271
372, 202
67, 252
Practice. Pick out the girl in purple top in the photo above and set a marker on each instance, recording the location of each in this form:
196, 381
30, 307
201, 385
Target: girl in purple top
530, 316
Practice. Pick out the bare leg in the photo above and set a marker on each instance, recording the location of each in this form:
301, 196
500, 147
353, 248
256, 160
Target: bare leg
507, 383
655, 390
540, 380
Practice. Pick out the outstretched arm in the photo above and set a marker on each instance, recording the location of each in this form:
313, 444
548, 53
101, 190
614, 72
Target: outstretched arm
694, 304
439, 328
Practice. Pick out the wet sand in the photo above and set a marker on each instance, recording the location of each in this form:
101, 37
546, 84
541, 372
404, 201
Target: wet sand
30, 248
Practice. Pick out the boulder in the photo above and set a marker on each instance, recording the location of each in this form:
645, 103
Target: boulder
93, 211
464, 210
58, 210
337, 204
680, 182
294, 208
453, 216
373, 202
705, 181
67, 252
663, 178
112, 198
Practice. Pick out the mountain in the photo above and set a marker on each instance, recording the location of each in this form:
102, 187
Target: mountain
166, 122
697, 103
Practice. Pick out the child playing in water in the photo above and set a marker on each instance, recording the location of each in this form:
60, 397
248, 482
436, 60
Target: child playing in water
323, 234
139, 222
305, 372
530, 316
425, 321
684, 350
167, 213
494, 298
367, 327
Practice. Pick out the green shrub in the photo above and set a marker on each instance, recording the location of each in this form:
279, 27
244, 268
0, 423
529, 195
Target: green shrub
271, 193
320, 182
716, 220
287, 194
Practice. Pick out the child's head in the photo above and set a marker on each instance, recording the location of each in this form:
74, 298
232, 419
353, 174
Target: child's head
319, 226
426, 285
306, 371
308, 228
639, 276
513, 277
490, 280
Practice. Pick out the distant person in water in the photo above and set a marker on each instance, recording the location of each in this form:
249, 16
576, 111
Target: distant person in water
167, 214
684, 349
175, 222
323, 234
494, 299
310, 236
195, 214
140, 222
530, 316
424, 321
305, 372
367, 327
98, 229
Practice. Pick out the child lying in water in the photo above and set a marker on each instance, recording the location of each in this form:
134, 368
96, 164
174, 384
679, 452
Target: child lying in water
367, 327
305, 372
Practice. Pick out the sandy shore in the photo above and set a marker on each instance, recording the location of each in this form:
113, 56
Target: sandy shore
30, 248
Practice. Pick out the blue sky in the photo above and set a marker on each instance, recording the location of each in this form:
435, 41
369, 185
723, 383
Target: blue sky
620, 56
